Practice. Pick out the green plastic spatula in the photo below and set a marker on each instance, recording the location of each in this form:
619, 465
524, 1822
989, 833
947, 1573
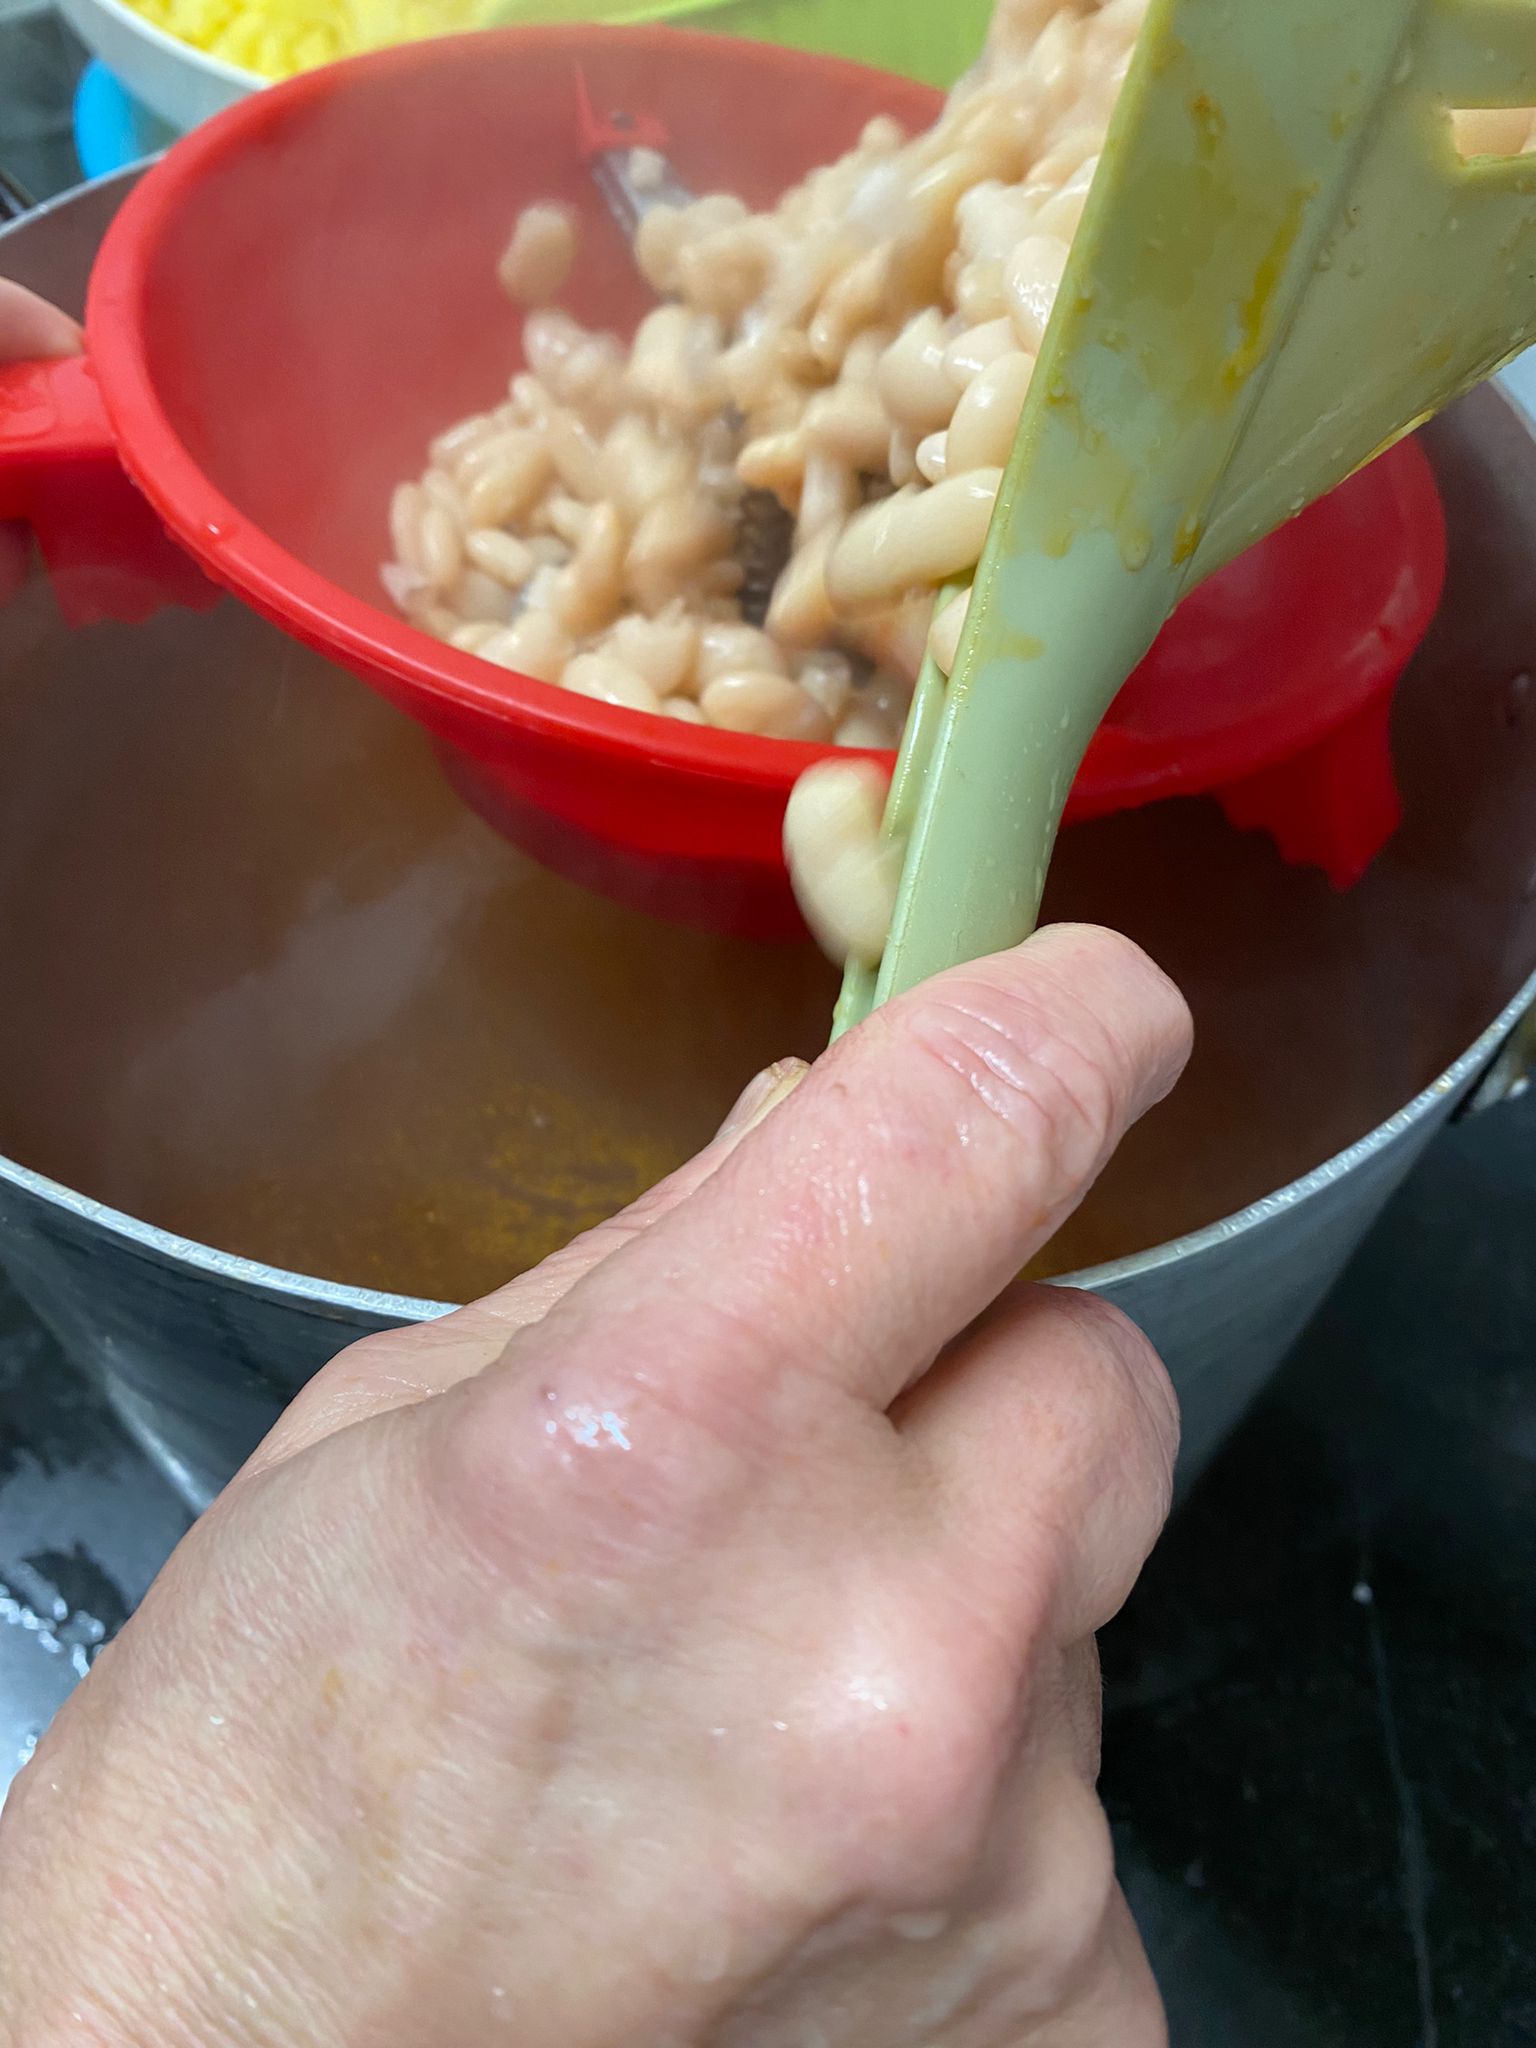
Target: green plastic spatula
1284, 266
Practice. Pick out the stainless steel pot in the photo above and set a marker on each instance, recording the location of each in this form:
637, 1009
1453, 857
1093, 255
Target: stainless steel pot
240, 916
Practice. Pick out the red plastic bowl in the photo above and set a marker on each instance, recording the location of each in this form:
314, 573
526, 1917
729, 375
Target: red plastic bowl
303, 292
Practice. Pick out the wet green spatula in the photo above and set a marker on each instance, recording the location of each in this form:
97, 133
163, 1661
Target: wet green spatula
1284, 266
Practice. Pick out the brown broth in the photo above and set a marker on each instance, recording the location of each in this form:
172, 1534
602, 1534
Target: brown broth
267, 984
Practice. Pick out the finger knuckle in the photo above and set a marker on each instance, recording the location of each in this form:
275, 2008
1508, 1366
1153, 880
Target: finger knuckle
1057, 1091
1135, 1369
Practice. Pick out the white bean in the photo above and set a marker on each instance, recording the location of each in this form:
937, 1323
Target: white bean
475, 596
764, 703
827, 678
986, 421
406, 510
933, 457
944, 638
502, 479
975, 350
911, 378
500, 555
534, 645
845, 871
1033, 278
663, 651
800, 612
458, 439
850, 424
588, 590
1492, 131
672, 543
540, 255
442, 551
724, 649
473, 636
865, 727
912, 542
600, 676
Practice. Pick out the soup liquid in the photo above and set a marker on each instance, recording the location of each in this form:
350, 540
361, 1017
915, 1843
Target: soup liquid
270, 985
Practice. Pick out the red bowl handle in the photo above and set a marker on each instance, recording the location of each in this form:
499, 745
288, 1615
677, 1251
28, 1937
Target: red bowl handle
108, 555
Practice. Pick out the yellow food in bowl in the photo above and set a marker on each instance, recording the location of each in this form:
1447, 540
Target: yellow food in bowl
276, 38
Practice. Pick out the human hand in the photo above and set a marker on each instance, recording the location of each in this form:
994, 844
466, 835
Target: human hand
691, 1644
29, 327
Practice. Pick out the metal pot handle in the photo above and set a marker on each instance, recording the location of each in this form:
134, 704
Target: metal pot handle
15, 199
1513, 1071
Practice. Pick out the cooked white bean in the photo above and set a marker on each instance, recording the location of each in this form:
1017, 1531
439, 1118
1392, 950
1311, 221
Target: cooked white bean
844, 869
672, 543
406, 510
577, 457
540, 255
503, 479
442, 490
915, 541
980, 294
911, 378
724, 649
765, 703
685, 709
659, 241
588, 590
1033, 279
1492, 131
944, 638
986, 421
473, 636
901, 458
475, 596
639, 466
675, 362
775, 462
535, 645
1061, 215
976, 350
663, 651
865, 727
850, 424
896, 641
933, 458
850, 304
565, 516
828, 495
600, 676
800, 613
722, 273
827, 678
461, 437
502, 555
442, 551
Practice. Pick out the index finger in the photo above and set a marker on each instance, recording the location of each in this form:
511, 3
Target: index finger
30, 327
912, 1175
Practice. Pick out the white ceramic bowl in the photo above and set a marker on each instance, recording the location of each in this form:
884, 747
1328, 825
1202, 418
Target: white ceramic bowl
181, 84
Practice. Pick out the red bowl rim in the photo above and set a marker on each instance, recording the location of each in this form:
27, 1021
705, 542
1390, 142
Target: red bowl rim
278, 584
464, 690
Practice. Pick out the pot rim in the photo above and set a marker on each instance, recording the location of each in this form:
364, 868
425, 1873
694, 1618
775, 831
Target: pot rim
334, 1298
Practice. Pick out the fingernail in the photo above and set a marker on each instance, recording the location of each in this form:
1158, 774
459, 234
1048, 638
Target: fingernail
761, 1097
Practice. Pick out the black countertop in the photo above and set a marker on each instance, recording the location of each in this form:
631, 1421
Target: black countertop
1321, 1730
